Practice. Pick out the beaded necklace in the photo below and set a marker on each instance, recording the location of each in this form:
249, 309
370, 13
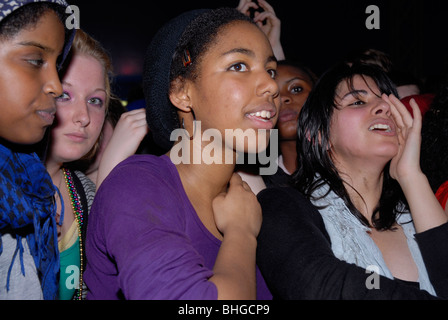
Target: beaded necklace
77, 210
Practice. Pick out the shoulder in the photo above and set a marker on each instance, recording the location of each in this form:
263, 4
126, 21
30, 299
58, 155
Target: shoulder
140, 185
87, 185
284, 198
136, 165
140, 171
85, 181
287, 208
5, 160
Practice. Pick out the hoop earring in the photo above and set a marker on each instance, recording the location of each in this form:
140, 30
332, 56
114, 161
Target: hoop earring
194, 125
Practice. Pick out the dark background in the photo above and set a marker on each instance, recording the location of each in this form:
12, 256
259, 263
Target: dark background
317, 32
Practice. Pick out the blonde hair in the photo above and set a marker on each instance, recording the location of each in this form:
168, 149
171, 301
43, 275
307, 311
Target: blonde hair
84, 44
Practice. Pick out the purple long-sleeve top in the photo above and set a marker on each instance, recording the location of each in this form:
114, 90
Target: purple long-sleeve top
145, 240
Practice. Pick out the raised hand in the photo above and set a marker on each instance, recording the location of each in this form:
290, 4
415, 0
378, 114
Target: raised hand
425, 209
128, 134
268, 22
407, 160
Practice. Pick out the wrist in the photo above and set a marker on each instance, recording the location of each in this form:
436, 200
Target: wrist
242, 236
417, 177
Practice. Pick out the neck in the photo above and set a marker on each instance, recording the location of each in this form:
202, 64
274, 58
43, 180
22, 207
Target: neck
289, 153
202, 182
53, 168
205, 181
363, 186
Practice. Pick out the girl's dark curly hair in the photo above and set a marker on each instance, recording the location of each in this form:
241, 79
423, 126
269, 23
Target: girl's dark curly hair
316, 167
434, 151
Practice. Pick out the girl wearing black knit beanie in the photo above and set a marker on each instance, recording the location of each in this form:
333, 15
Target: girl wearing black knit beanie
162, 229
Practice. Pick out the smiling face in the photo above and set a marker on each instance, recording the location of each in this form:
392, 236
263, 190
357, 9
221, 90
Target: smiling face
362, 127
80, 110
295, 87
29, 81
235, 88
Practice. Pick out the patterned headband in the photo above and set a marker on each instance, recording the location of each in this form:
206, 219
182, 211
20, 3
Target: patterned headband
6, 8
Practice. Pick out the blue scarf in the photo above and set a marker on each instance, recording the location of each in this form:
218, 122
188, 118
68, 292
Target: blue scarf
27, 200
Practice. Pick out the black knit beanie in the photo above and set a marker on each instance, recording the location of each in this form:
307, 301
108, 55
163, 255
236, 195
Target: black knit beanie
160, 113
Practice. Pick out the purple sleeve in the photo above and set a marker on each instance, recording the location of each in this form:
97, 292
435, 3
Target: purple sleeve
136, 229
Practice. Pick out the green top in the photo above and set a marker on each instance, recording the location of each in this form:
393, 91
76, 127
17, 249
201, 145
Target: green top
70, 267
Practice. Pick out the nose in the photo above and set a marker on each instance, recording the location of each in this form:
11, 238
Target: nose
382, 107
53, 84
285, 99
81, 114
267, 86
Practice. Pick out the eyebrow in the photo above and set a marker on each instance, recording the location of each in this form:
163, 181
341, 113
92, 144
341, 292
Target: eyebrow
96, 90
37, 45
294, 79
249, 53
355, 93
240, 50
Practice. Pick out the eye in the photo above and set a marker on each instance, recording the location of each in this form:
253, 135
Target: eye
357, 103
36, 62
239, 67
272, 73
63, 97
96, 101
296, 90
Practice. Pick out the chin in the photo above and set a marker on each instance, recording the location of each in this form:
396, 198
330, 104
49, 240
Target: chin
386, 155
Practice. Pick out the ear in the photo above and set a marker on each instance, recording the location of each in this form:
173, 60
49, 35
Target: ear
179, 94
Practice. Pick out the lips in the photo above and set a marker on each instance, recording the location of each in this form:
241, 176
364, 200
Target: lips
76, 136
47, 115
287, 115
263, 116
383, 126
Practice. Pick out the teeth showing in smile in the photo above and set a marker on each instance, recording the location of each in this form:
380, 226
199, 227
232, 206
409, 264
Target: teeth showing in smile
262, 114
379, 126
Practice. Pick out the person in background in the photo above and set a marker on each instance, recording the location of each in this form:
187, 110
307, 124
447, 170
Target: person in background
33, 45
81, 110
295, 81
361, 221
